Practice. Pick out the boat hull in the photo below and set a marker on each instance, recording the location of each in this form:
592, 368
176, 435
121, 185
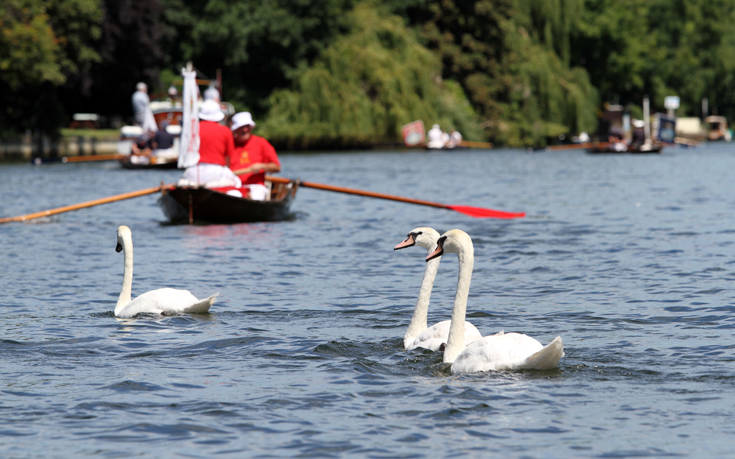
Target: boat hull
607, 148
169, 164
203, 205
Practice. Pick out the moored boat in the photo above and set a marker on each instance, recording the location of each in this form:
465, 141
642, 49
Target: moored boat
155, 162
620, 147
206, 205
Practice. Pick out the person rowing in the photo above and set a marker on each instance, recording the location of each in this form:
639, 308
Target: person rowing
252, 156
215, 149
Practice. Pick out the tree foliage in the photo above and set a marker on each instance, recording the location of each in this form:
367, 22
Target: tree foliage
365, 86
516, 72
43, 44
259, 46
512, 58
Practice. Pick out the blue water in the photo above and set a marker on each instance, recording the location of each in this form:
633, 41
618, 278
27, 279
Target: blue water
631, 259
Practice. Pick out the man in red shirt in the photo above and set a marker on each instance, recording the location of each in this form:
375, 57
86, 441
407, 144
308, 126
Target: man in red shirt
252, 156
216, 146
215, 140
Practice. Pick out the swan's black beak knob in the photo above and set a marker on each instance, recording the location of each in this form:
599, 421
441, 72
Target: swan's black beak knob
439, 250
118, 248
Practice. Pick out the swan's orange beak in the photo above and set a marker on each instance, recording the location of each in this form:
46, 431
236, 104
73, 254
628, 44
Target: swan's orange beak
439, 250
408, 242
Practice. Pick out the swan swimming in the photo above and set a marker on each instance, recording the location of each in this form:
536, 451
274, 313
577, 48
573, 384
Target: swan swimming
501, 351
159, 301
419, 335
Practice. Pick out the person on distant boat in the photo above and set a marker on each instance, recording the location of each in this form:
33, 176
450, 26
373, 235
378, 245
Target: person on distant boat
173, 95
436, 138
211, 93
455, 139
162, 144
615, 139
141, 149
215, 149
252, 157
141, 102
639, 135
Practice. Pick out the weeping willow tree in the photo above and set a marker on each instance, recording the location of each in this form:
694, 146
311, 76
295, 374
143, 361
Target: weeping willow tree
512, 58
365, 86
546, 98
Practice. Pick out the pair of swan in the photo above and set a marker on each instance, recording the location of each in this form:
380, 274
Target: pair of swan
419, 334
159, 301
465, 351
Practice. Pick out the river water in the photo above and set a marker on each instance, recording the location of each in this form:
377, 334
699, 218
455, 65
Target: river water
631, 259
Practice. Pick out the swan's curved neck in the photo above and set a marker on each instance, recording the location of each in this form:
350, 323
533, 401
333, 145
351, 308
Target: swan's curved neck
419, 320
455, 342
127, 284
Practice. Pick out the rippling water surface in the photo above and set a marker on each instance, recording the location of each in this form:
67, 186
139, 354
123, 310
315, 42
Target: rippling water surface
631, 259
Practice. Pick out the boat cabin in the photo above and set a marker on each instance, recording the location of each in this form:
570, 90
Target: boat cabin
718, 130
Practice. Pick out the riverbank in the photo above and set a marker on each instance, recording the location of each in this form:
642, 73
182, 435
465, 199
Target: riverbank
72, 143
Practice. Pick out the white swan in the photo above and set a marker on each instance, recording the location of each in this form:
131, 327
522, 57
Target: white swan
159, 301
501, 351
418, 333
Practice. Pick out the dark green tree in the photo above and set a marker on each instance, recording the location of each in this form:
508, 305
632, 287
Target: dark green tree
259, 46
131, 49
43, 44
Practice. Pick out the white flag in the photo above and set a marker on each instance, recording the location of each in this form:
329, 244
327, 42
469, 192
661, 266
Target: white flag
189, 144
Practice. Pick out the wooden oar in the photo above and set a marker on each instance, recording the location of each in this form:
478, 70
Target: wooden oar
572, 146
477, 212
471, 144
82, 205
84, 158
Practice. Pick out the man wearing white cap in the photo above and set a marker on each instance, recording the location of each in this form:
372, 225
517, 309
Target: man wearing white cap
215, 148
252, 157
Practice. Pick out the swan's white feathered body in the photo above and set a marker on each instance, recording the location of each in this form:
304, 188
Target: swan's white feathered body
508, 351
501, 351
436, 336
419, 334
159, 301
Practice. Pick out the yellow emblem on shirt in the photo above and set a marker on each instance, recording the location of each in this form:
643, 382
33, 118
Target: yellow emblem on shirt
244, 158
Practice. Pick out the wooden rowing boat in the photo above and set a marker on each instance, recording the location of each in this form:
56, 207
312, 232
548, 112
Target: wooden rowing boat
204, 205
606, 147
154, 163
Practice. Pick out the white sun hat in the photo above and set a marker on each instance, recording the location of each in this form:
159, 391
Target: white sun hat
210, 111
242, 119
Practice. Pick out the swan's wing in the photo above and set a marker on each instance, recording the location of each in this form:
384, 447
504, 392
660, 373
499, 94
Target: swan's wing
502, 351
437, 335
162, 301
546, 358
202, 307
432, 337
471, 333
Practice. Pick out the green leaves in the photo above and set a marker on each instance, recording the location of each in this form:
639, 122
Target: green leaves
365, 86
29, 50
42, 45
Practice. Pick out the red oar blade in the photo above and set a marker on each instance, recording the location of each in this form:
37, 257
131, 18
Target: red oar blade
481, 212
